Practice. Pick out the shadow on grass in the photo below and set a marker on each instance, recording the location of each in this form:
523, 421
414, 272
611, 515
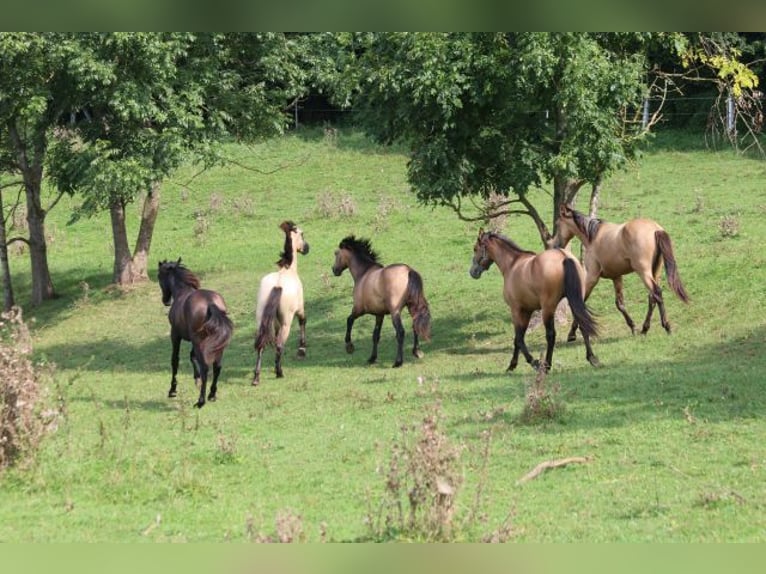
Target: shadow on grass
711, 383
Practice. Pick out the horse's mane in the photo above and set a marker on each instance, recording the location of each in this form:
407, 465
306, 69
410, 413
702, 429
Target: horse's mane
286, 257
510, 243
589, 226
181, 273
361, 248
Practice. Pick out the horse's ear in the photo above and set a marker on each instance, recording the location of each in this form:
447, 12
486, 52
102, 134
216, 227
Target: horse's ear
179, 261
565, 209
481, 232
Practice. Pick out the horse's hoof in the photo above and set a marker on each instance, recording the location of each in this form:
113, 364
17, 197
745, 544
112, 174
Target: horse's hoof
301, 352
280, 375
349, 348
199, 404
535, 365
571, 338
211, 399
255, 382
511, 367
593, 360
172, 394
372, 360
397, 364
418, 354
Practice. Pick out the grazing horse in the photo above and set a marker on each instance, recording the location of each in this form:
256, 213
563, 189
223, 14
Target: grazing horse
380, 291
196, 315
531, 282
612, 250
280, 298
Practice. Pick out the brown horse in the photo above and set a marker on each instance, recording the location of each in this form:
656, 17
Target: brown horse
280, 298
612, 250
196, 315
535, 281
382, 291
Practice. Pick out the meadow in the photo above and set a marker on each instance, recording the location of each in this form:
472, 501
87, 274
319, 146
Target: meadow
672, 426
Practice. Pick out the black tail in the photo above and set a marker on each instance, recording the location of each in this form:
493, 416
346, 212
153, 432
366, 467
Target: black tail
218, 329
665, 250
418, 306
573, 292
265, 335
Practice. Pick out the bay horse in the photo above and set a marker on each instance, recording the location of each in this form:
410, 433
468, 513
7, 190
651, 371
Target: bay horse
280, 299
196, 315
535, 281
613, 250
381, 291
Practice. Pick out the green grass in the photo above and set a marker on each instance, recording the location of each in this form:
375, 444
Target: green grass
674, 424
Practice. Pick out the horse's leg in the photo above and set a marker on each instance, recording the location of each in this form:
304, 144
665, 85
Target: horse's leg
550, 340
655, 297
619, 301
349, 326
396, 319
214, 385
194, 368
376, 338
302, 340
283, 333
200, 366
572, 335
416, 344
257, 375
176, 342
520, 324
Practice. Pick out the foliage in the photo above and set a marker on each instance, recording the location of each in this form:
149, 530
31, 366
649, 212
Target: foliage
22, 391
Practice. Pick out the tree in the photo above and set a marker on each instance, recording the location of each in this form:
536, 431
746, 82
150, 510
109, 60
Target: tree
33, 96
157, 101
491, 114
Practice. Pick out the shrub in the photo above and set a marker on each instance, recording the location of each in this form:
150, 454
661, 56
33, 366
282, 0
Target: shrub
22, 422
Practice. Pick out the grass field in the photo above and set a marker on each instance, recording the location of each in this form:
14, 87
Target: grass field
673, 425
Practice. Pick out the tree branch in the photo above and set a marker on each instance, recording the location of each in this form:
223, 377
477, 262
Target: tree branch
549, 464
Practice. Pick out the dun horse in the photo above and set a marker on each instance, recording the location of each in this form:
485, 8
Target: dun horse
531, 282
280, 298
382, 291
613, 250
199, 316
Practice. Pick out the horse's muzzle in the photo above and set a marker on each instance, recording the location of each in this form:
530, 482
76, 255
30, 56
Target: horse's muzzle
336, 271
475, 271
305, 250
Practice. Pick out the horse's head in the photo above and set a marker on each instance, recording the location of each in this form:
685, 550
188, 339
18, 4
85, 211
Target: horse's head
566, 226
342, 256
165, 274
481, 260
294, 243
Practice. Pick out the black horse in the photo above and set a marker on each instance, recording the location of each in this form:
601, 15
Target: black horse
199, 316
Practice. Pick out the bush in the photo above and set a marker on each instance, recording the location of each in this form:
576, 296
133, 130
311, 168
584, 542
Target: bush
22, 422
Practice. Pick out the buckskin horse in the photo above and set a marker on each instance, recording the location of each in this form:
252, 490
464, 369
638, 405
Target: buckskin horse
535, 281
199, 316
381, 291
280, 299
613, 250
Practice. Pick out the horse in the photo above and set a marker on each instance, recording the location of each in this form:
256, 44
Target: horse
381, 291
196, 315
535, 281
613, 250
280, 298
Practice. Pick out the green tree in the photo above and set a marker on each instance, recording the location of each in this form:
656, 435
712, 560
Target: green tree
491, 115
155, 101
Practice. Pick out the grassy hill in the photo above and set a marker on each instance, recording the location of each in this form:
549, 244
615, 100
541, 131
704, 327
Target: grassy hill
672, 426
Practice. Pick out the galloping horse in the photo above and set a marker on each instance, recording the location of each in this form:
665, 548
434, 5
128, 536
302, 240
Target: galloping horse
613, 250
196, 315
382, 291
280, 298
531, 282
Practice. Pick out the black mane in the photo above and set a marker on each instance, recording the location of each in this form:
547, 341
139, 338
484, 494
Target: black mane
587, 225
361, 248
286, 257
181, 273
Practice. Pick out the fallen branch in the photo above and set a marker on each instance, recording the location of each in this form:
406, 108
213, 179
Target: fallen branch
548, 464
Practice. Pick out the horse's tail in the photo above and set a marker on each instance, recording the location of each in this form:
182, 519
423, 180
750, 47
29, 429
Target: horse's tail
418, 306
218, 329
574, 294
665, 250
265, 335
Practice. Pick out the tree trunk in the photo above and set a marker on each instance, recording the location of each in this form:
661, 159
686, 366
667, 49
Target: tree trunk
5, 268
595, 192
32, 174
122, 271
133, 269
